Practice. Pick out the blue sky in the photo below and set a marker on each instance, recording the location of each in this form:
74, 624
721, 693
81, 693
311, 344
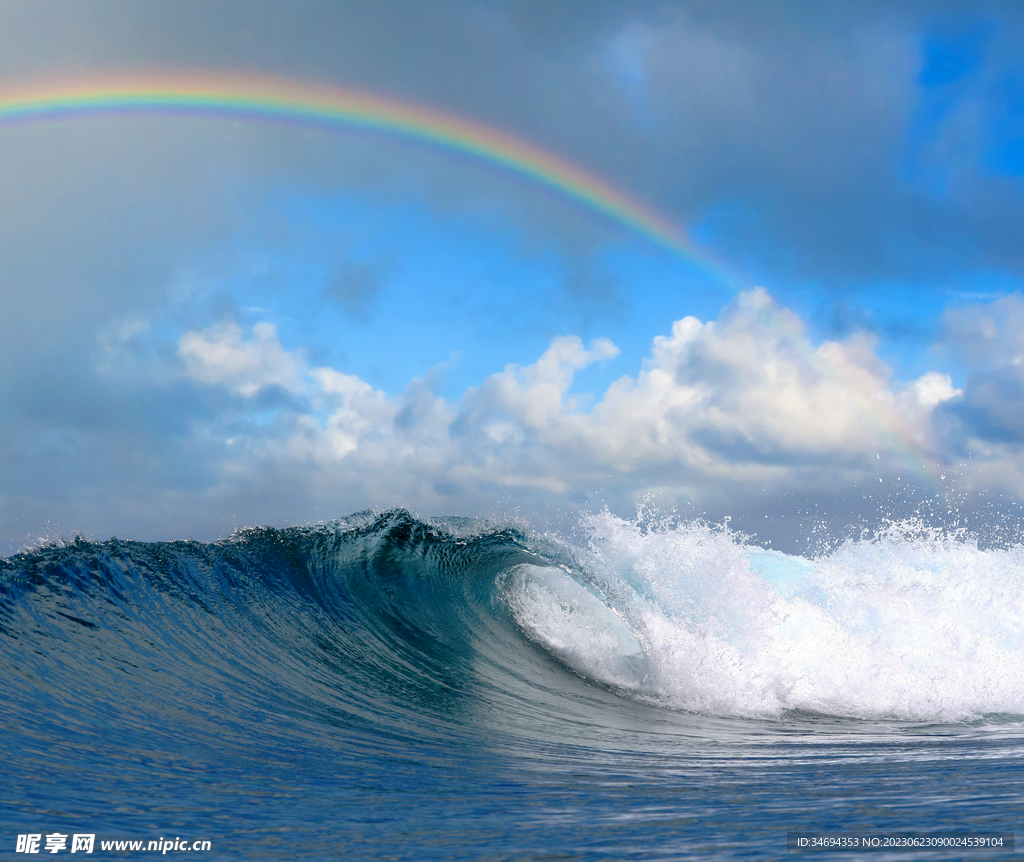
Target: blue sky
461, 292
208, 324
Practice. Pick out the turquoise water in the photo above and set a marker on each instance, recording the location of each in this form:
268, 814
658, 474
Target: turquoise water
385, 687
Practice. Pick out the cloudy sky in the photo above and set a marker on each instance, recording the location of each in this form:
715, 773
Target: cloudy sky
208, 322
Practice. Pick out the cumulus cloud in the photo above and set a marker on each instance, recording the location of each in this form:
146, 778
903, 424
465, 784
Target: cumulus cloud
748, 387
722, 413
220, 355
746, 397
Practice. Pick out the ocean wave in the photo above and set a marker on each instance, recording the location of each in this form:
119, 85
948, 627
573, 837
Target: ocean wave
386, 620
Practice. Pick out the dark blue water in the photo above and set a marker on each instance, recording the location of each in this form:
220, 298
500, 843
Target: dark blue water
390, 688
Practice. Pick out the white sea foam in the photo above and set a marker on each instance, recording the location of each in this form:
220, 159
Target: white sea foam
908, 625
587, 633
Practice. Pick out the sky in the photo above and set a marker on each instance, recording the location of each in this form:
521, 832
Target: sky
213, 320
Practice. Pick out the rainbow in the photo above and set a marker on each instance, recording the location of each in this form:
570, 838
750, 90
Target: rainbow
251, 97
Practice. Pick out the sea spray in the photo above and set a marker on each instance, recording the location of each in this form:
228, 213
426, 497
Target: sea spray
909, 624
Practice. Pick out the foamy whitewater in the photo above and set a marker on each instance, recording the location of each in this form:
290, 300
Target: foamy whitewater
391, 687
906, 626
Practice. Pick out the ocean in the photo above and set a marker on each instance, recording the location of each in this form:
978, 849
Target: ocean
391, 687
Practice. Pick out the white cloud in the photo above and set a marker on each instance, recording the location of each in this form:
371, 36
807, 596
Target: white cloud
747, 397
932, 389
358, 412
220, 355
749, 384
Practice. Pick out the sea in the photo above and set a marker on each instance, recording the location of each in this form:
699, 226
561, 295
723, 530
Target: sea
388, 686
